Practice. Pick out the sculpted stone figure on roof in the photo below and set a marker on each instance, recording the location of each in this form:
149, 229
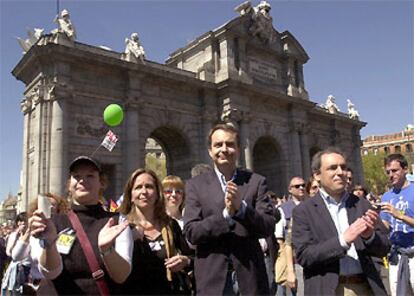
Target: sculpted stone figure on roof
65, 25
352, 112
330, 105
262, 26
33, 35
133, 49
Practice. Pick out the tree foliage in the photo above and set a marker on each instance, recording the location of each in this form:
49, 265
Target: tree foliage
374, 174
158, 165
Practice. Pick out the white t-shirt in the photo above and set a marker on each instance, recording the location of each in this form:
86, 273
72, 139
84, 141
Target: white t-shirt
280, 228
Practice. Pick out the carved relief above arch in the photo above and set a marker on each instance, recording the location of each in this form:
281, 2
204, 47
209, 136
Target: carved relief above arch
87, 126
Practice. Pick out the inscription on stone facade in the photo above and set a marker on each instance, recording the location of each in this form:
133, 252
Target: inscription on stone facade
90, 126
262, 71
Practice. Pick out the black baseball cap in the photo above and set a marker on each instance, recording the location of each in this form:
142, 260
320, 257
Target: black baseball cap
83, 159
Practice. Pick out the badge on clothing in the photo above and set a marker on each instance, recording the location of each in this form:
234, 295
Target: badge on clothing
65, 241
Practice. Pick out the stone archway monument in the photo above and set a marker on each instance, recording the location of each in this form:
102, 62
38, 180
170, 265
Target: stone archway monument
244, 72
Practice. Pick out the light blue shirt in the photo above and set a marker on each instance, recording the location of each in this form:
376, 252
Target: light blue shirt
222, 180
349, 264
401, 234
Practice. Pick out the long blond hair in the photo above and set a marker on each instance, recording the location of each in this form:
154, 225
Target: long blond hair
126, 206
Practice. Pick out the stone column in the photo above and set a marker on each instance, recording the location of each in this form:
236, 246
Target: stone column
356, 155
131, 144
306, 161
295, 149
25, 107
208, 120
245, 145
35, 170
133, 150
58, 139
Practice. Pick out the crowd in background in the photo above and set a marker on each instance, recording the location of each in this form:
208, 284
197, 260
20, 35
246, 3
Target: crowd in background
151, 246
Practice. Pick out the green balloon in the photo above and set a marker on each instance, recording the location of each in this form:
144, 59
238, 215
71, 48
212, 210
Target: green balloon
113, 115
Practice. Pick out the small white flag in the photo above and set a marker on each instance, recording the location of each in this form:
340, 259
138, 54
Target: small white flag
110, 140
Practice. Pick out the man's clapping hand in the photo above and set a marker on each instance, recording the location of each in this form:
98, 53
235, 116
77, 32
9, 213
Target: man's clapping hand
364, 227
232, 199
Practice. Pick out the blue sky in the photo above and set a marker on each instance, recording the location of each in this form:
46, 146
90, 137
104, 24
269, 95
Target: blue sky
362, 50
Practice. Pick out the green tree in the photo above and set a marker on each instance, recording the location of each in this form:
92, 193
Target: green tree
375, 178
158, 165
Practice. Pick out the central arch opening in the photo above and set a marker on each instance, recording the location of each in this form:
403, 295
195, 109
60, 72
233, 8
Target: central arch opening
168, 151
155, 158
267, 161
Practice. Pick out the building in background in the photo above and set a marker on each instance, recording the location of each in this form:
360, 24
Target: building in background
8, 209
401, 142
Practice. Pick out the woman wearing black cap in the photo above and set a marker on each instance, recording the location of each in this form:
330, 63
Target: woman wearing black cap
63, 258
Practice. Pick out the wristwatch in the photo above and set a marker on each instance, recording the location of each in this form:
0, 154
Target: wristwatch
107, 251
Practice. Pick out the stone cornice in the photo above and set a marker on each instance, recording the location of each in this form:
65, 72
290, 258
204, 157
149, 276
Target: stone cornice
254, 90
54, 53
343, 117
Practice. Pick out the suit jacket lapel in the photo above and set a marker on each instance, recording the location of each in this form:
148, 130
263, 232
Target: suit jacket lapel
351, 210
323, 213
352, 216
243, 187
214, 191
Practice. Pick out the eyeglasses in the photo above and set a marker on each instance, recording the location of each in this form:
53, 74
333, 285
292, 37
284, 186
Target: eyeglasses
297, 186
315, 187
171, 191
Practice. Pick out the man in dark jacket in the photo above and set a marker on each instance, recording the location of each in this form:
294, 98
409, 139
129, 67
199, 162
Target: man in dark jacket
227, 212
335, 234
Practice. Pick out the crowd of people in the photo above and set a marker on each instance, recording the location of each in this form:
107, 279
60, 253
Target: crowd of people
219, 233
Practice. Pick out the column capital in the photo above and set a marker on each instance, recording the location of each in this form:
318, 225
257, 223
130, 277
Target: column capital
58, 91
26, 105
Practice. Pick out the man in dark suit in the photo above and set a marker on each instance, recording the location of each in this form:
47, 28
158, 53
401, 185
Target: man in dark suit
226, 212
335, 233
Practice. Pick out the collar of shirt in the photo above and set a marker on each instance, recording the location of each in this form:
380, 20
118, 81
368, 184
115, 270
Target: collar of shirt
295, 200
222, 179
330, 200
348, 264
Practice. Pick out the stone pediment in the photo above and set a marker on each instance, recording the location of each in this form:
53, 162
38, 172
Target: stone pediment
292, 47
241, 27
247, 48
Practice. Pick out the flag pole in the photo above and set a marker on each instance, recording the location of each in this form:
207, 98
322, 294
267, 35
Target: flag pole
57, 7
95, 151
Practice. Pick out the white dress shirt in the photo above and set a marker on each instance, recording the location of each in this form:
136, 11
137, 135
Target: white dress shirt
349, 265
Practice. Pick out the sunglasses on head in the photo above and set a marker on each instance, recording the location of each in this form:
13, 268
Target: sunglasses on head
171, 191
297, 186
